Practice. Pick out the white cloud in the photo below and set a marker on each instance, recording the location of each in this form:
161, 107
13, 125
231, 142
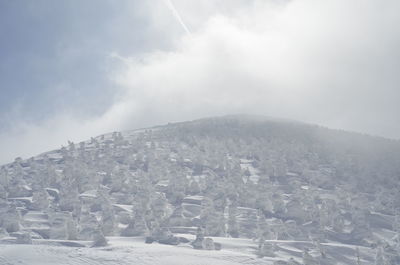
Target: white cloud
329, 62
309, 60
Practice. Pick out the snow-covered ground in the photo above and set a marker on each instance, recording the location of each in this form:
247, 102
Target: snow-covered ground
123, 250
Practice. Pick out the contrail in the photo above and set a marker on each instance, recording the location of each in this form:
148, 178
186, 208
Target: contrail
177, 16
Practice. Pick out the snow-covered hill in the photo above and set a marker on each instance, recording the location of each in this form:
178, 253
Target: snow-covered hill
266, 191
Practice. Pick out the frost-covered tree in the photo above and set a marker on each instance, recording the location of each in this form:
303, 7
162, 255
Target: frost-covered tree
194, 188
278, 204
159, 207
40, 200
4, 177
212, 221
198, 242
107, 223
379, 257
10, 218
3, 194
320, 247
72, 230
99, 239
233, 227
88, 226
358, 256
58, 222
136, 227
263, 229
308, 259
266, 249
177, 187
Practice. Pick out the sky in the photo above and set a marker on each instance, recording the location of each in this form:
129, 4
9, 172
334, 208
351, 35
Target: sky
74, 69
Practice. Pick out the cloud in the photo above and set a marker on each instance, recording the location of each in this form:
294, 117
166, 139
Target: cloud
329, 62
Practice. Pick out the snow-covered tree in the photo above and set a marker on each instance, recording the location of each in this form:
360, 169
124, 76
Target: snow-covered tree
40, 200
233, 227
212, 221
10, 218
358, 256
99, 239
266, 249
107, 223
308, 259
379, 257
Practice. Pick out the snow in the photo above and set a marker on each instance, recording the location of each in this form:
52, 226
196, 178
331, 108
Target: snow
133, 250
89, 194
196, 199
246, 164
122, 251
98, 192
22, 199
123, 207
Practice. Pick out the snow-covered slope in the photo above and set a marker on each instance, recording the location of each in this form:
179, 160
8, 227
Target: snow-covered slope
135, 251
266, 190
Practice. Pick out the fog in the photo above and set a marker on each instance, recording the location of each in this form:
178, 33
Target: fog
333, 63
